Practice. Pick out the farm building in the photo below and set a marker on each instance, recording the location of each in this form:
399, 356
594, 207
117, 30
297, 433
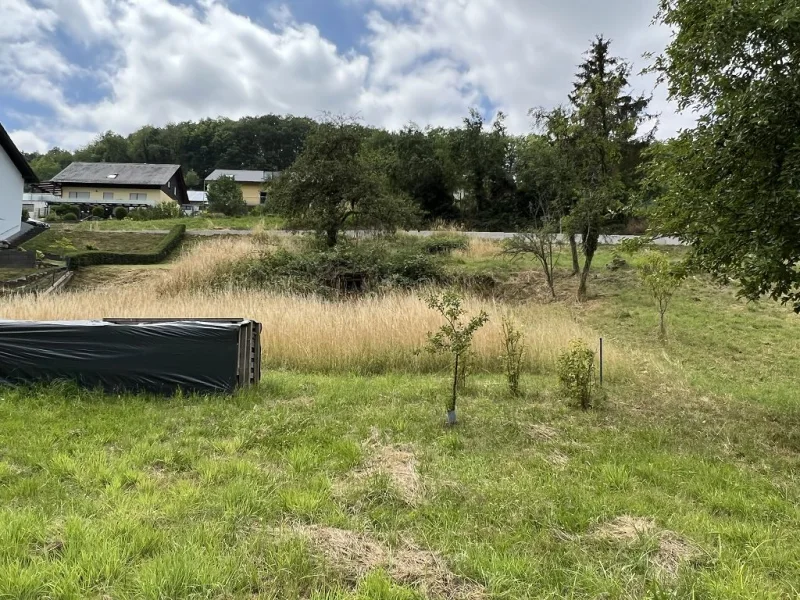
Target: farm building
251, 182
118, 184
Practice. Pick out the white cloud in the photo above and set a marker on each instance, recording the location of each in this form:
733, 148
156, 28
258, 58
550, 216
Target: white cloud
29, 141
421, 60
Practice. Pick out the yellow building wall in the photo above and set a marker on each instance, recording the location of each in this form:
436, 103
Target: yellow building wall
251, 192
121, 195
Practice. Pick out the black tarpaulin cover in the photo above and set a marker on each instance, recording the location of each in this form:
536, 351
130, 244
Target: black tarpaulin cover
155, 357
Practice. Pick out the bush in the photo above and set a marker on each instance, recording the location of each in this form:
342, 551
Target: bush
101, 257
98, 211
70, 217
25, 215
369, 265
576, 373
164, 210
444, 243
120, 213
63, 209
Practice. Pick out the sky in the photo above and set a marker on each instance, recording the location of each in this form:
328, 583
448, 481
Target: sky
71, 69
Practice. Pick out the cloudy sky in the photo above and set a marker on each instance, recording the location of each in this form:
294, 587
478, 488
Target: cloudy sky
72, 68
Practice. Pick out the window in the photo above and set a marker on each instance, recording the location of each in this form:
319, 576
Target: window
262, 196
108, 195
112, 176
138, 197
79, 195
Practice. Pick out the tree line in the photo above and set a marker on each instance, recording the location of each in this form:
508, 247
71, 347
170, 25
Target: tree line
478, 174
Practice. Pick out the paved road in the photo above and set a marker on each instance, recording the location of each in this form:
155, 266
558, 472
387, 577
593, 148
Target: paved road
609, 240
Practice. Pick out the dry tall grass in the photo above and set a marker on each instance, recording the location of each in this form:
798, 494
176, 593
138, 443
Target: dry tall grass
201, 265
481, 248
366, 335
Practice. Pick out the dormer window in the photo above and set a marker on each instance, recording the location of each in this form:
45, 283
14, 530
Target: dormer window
112, 176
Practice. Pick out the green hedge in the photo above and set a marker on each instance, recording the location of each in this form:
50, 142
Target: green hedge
102, 257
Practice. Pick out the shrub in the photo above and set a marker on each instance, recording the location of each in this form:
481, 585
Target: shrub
369, 265
63, 209
444, 243
98, 211
25, 215
164, 210
120, 212
576, 373
513, 354
102, 257
69, 216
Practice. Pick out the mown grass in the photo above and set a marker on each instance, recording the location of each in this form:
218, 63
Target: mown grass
83, 240
199, 222
137, 497
217, 497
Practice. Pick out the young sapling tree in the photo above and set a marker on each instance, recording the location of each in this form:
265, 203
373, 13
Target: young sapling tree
661, 279
454, 337
544, 245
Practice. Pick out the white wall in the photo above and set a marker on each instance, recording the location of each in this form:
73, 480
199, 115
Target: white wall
11, 187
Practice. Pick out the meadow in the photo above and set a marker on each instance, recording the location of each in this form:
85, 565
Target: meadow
336, 478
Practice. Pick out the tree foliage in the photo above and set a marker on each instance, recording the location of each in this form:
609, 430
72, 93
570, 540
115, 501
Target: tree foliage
225, 196
478, 174
455, 336
730, 185
337, 183
661, 279
592, 140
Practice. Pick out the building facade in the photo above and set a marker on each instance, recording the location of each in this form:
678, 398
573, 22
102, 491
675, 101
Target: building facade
15, 172
119, 184
251, 183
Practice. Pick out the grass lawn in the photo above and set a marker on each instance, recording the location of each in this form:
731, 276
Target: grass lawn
681, 484
7, 274
80, 240
248, 222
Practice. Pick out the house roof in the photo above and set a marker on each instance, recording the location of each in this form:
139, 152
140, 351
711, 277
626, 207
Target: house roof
126, 174
244, 176
195, 196
16, 157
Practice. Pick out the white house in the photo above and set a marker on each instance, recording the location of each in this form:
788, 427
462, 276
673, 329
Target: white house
15, 172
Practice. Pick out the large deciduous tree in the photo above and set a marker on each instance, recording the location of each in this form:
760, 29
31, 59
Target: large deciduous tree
731, 186
338, 183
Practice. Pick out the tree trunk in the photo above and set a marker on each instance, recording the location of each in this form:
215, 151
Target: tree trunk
573, 246
332, 235
589, 248
662, 326
452, 406
551, 284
